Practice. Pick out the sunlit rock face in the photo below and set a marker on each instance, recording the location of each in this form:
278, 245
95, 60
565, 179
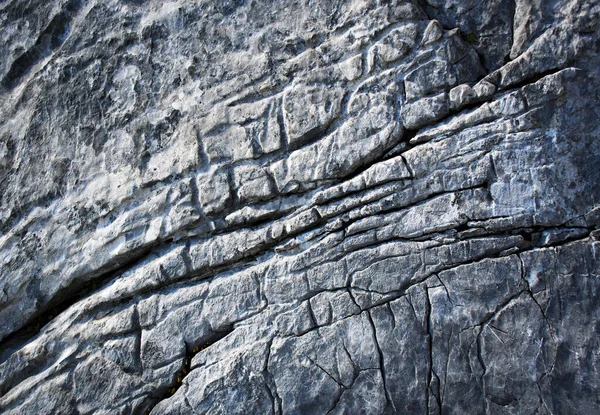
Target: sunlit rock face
299, 207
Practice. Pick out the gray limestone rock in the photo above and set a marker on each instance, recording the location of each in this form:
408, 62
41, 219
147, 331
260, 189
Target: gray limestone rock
275, 207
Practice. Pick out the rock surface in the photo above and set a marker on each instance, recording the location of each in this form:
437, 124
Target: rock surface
299, 207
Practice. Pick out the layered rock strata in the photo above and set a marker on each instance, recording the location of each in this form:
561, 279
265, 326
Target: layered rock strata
299, 207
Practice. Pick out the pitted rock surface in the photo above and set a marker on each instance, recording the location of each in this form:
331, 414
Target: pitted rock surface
299, 207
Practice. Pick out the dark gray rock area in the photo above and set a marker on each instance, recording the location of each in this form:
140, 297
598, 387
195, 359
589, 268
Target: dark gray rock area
299, 207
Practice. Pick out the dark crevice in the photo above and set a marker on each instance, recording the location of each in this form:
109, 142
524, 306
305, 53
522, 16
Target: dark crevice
186, 367
409, 168
409, 134
463, 227
403, 144
64, 299
532, 79
463, 109
389, 208
422, 6
429, 337
527, 235
285, 141
324, 200
270, 383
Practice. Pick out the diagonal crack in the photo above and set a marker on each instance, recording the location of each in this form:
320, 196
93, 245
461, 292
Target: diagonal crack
270, 382
382, 369
184, 371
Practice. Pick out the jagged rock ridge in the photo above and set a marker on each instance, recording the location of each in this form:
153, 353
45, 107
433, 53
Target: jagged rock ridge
294, 207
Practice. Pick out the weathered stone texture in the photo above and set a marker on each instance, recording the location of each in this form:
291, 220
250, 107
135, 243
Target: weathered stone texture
299, 207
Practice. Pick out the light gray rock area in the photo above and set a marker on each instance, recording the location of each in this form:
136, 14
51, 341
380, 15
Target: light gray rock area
299, 207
